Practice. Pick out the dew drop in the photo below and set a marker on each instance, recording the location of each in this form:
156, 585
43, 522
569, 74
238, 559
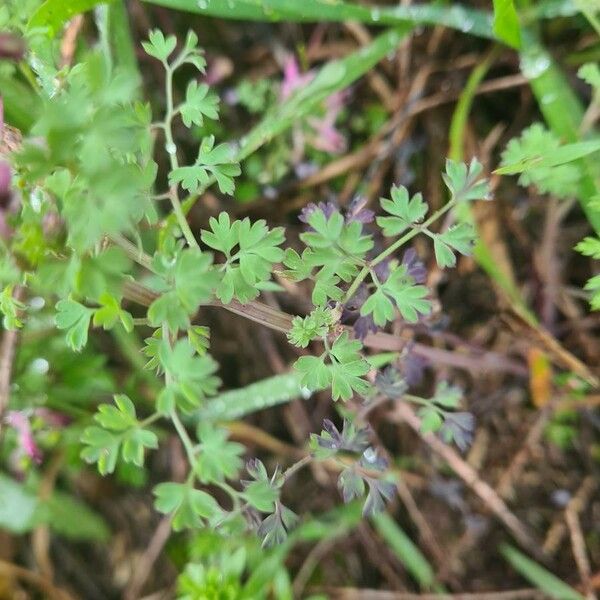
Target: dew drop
375, 14
202, 4
171, 148
39, 366
37, 303
534, 64
36, 198
548, 98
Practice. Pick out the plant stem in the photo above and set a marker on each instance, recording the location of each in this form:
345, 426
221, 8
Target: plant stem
184, 437
179, 427
171, 149
391, 249
296, 467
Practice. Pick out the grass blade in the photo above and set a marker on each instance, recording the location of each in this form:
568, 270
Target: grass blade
405, 550
538, 576
456, 16
53, 14
506, 22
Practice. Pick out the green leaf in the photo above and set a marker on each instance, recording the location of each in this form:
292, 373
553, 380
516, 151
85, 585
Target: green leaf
380, 306
261, 495
218, 459
405, 211
71, 518
538, 576
54, 13
460, 238
347, 368
199, 103
314, 373
590, 73
75, 318
399, 287
18, 506
448, 396
506, 23
223, 236
195, 280
102, 274
465, 182
216, 160
102, 447
589, 246
168, 309
192, 375
158, 46
189, 506
110, 312
252, 264
431, 420
315, 325
119, 417
335, 248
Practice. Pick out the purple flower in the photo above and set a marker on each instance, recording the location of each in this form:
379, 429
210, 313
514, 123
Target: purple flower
414, 267
327, 137
292, 78
413, 367
363, 326
324, 136
357, 211
327, 208
20, 423
351, 438
382, 270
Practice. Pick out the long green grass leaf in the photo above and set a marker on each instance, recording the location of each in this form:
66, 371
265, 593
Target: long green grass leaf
564, 154
538, 576
456, 16
53, 14
269, 392
405, 550
506, 22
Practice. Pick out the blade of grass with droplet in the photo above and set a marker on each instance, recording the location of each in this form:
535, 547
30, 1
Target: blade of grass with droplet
455, 16
113, 22
406, 551
268, 392
538, 575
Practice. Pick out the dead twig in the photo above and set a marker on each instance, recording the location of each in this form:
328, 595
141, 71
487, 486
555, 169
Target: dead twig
579, 551
486, 493
148, 559
358, 594
578, 502
39, 581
